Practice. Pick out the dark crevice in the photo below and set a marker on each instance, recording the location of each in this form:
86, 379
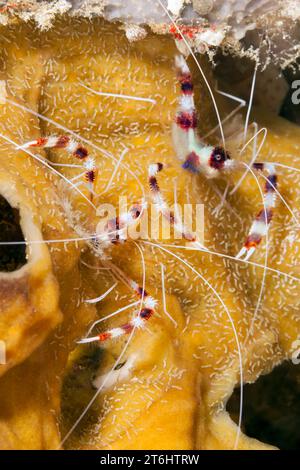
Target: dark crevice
240, 71
12, 257
291, 106
271, 410
78, 390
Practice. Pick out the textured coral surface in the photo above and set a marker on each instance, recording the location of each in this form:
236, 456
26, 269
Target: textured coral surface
263, 29
175, 377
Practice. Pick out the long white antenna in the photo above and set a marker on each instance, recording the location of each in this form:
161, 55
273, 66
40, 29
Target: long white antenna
250, 103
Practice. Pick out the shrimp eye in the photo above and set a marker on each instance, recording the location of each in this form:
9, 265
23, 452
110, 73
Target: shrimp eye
218, 157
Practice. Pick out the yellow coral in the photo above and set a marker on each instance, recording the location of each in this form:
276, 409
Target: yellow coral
175, 381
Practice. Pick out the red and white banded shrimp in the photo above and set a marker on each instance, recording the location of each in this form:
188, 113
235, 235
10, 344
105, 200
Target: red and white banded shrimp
215, 161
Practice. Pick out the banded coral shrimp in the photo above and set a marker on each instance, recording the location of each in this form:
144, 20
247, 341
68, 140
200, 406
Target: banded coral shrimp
209, 317
198, 156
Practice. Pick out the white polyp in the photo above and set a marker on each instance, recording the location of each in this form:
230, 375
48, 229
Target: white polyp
119, 95
115, 170
164, 295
